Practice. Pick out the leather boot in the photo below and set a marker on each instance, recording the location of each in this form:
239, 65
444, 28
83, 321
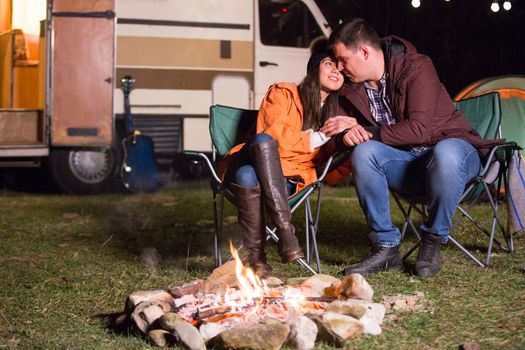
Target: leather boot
267, 163
250, 216
428, 261
378, 259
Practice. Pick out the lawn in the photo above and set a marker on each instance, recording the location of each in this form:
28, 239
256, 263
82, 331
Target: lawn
68, 263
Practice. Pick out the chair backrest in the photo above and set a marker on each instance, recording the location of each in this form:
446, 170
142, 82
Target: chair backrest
230, 126
483, 113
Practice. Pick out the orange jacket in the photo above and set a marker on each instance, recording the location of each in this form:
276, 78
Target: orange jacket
281, 116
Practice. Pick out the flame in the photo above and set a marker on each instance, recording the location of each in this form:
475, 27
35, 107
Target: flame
251, 287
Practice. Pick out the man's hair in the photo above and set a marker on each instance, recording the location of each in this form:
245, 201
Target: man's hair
353, 32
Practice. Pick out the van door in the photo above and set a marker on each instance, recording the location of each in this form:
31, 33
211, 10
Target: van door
284, 31
82, 69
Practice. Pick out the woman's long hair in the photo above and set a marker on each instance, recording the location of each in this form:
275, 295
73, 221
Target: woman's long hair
310, 92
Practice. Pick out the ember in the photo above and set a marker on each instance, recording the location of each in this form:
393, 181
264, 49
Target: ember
244, 309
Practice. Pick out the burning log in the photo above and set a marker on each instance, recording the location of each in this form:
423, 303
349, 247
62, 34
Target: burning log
203, 314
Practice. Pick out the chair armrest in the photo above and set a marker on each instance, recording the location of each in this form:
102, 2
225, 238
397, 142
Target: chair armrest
208, 163
501, 153
335, 160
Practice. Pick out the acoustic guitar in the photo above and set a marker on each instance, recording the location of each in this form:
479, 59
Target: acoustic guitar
139, 171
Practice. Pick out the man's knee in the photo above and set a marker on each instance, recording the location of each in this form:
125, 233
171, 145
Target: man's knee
260, 138
451, 154
364, 153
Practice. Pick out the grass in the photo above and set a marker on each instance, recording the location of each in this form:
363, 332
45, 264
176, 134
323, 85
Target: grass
68, 263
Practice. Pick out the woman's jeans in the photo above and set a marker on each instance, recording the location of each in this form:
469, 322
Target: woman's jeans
241, 170
439, 173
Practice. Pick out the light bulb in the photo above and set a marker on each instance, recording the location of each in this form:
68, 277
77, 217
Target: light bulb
507, 5
416, 3
494, 6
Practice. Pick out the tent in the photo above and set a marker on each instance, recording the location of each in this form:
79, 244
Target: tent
512, 93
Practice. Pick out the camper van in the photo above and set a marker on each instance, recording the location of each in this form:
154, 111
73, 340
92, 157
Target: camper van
60, 95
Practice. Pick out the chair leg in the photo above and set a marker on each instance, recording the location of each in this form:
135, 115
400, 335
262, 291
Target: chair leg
218, 203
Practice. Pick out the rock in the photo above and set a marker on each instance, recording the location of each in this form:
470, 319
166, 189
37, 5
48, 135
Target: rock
186, 289
146, 313
169, 320
295, 281
346, 307
354, 286
273, 282
150, 256
331, 291
370, 326
374, 311
336, 328
470, 346
161, 338
303, 333
147, 295
316, 285
404, 301
220, 278
210, 330
187, 336
257, 337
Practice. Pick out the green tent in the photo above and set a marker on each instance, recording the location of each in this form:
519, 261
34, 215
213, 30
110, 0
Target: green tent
512, 93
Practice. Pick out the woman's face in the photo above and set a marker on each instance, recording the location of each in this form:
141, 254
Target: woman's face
330, 77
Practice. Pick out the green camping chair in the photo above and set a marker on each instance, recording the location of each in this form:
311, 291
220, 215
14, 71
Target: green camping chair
484, 115
230, 126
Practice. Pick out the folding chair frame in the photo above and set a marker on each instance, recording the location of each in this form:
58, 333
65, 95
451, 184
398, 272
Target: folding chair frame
500, 154
303, 197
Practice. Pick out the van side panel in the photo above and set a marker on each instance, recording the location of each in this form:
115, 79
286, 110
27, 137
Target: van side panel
175, 50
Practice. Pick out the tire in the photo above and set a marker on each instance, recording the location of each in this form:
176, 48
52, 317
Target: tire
85, 171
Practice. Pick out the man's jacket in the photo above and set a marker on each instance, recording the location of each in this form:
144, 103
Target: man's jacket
424, 111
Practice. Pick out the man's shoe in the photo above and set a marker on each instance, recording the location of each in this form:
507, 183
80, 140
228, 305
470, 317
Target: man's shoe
379, 259
428, 261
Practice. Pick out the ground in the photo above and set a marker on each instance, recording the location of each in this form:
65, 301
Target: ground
68, 263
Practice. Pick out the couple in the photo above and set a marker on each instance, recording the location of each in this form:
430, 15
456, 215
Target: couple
395, 117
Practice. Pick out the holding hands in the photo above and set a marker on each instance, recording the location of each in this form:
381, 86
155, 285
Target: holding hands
337, 124
355, 135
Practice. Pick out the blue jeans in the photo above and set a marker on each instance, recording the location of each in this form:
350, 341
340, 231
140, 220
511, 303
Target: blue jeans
439, 173
245, 174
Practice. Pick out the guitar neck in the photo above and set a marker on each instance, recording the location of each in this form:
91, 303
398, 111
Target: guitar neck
127, 113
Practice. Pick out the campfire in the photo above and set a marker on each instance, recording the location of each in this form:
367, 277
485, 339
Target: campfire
233, 308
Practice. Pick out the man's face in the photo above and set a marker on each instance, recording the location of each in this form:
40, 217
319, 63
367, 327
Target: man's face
351, 62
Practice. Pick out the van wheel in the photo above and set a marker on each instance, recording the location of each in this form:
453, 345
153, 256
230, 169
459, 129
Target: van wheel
84, 171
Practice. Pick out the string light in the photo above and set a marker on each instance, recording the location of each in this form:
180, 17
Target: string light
494, 6
507, 5
416, 3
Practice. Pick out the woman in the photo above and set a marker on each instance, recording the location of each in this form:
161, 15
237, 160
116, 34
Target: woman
280, 159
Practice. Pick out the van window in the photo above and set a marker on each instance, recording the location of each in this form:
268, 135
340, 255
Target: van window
287, 23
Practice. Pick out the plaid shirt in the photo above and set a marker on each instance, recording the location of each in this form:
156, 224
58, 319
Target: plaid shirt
379, 103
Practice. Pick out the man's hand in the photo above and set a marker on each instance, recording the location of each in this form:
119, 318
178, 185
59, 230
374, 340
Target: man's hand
337, 124
356, 135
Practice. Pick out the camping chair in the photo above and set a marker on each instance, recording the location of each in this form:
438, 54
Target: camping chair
483, 114
229, 126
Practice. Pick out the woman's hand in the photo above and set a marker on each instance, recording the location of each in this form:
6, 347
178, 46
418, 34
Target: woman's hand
337, 124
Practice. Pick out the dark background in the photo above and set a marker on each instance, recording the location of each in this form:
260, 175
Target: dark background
465, 39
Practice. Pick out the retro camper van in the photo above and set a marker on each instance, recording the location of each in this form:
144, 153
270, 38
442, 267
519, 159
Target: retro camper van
60, 96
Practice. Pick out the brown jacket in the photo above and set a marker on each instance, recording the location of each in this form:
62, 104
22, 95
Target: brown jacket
424, 111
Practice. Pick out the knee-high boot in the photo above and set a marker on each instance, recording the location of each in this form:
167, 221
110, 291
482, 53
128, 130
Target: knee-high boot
265, 157
250, 217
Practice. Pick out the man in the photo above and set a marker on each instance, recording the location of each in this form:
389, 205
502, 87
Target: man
410, 138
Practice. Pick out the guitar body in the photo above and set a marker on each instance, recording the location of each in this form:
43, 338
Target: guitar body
139, 172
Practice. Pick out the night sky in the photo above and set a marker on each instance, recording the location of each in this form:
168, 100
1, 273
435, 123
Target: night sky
465, 39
